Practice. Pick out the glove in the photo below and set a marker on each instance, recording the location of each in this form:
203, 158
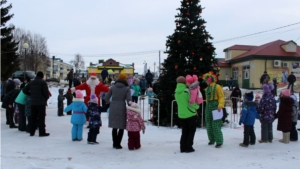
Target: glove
143, 131
240, 123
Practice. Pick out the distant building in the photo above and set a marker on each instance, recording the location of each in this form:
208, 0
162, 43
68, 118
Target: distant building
57, 68
245, 64
113, 67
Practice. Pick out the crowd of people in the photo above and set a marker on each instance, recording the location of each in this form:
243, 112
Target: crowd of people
119, 97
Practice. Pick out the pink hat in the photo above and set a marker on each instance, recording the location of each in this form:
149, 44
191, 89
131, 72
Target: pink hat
94, 98
191, 79
286, 92
79, 94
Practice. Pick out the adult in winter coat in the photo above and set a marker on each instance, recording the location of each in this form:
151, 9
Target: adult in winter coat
274, 91
214, 101
267, 109
294, 133
104, 74
70, 77
249, 114
78, 117
38, 91
10, 86
284, 115
120, 92
149, 78
60, 102
291, 79
21, 101
143, 85
236, 93
187, 115
264, 77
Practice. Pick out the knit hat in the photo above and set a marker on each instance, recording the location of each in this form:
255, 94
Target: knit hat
293, 97
150, 89
191, 79
257, 96
134, 107
93, 75
94, 98
40, 74
17, 81
180, 79
79, 94
266, 88
249, 96
122, 76
286, 92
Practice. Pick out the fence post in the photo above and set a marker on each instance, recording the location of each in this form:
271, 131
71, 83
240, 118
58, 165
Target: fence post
172, 113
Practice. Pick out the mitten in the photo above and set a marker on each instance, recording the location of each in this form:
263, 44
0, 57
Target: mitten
240, 123
143, 131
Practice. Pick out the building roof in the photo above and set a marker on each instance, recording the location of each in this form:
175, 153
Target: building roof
222, 63
270, 50
240, 47
120, 65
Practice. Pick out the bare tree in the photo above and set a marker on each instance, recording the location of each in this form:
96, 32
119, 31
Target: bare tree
36, 55
78, 62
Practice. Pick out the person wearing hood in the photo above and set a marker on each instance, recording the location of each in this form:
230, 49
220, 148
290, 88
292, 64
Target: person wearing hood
187, 114
214, 101
249, 114
60, 102
120, 92
267, 109
38, 91
78, 117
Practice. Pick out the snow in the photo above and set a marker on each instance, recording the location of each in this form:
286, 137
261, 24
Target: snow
160, 148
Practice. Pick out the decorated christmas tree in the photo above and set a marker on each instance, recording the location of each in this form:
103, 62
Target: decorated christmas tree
189, 52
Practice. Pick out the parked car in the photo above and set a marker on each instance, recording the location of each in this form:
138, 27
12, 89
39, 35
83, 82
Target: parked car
52, 79
20, 75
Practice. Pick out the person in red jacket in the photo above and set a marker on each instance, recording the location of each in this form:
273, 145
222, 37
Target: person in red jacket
91, 86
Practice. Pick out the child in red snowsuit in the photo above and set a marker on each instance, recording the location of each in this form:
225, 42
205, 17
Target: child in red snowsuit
134, 125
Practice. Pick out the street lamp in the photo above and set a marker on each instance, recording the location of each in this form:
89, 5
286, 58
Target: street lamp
25, 46
53, 58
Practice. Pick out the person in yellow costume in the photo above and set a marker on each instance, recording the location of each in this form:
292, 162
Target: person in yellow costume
214, 101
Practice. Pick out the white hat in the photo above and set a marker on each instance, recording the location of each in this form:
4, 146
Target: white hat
113, 82
17, 81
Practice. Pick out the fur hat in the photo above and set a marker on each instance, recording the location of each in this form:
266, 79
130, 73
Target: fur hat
249, 96
286, 92
40, 74
191, 79
17, 81
180, 79
266, 88
122, 76
93, 98
150, 89
93, 75
79, 94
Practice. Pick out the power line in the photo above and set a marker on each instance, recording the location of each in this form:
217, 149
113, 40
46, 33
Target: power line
113, 54
239, 37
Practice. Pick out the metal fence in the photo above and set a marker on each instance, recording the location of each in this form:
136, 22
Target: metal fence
141, 100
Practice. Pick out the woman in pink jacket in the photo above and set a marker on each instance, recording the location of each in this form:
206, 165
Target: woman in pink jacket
193, 84
134, 125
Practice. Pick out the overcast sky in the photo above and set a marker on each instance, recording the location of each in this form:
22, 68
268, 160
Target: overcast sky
94, 28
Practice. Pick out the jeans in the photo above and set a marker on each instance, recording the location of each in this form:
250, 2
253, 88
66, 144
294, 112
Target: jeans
266, 131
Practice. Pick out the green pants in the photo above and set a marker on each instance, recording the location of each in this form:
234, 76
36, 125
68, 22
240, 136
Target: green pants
213, 127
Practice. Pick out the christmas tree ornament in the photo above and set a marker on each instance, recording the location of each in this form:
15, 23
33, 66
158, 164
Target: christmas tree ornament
203, 26
192, 33
193, 53
195, 68
177, 23
187, 3
176, 67
201, 58
211, 59
178, 42
188, 14
200, 11
208, 47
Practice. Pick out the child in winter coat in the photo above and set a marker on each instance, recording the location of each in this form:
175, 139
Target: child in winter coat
249, 113
69, 97
150, 94
193, 84
94, 115
137, 91
60, 102
78, 118
294, 133
267, 109
134, 125
284, 115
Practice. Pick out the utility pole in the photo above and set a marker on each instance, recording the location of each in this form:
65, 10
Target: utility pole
159, 62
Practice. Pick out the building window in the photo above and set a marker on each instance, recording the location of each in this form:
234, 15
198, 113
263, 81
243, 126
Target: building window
246, 72
235, 73
291, 47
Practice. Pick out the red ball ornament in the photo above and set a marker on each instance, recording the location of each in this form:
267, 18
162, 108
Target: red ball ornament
208, 47
193, 53
178, 41
195, 68
176, 67
187, 13
203, 26
200, 11
177, 23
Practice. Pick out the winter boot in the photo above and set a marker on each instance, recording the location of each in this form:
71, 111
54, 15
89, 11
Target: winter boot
286, 138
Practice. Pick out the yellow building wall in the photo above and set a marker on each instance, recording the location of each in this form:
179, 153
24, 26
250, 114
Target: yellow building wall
127, 71
235, 53
222, 73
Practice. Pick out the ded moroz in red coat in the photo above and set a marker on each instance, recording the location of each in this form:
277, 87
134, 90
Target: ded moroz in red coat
91, 87
134, 120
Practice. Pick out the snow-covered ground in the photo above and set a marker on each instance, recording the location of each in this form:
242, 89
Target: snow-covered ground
160, 148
